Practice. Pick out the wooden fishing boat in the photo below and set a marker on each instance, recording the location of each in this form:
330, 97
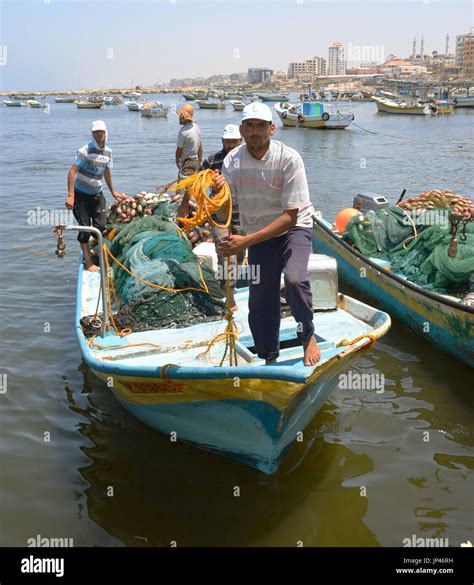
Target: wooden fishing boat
153, 110
273, 97
249, 412
89, 105
319, 115
65, 99
37, 104
238, 105
441, 319
414, 108
134, 105
14, 104
210, 104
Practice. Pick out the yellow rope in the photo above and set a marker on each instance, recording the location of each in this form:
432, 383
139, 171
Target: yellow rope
197, 186
370, 336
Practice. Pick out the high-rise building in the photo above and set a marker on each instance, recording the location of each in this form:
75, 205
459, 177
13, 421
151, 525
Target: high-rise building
308, 69
336, 60
468, 56
259, 74
460, 46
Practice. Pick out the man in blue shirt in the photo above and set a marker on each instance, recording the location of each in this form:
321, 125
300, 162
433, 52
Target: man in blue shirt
92, 163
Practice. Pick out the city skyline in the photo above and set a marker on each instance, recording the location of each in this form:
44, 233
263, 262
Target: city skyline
148, 42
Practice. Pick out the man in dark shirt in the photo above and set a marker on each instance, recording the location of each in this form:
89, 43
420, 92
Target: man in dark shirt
230, 139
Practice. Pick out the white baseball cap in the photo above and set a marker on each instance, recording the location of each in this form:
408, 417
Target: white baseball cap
98, 125
257, 111
231, 132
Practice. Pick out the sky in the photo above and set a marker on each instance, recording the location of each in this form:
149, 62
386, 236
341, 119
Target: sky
77, 44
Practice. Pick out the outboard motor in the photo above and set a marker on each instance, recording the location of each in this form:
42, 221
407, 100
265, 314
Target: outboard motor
369, 201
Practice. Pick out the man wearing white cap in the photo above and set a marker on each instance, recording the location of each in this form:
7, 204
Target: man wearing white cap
231, 138
268, 182
91, 164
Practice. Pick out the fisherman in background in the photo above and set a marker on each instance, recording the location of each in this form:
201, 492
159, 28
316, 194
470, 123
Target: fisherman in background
231, 139
189, 147
84, 181
268, 180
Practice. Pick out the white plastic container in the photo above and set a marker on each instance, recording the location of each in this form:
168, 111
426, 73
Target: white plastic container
322, 276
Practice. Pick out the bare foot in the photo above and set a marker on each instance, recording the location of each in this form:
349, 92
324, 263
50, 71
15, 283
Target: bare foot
312, 353
93, 268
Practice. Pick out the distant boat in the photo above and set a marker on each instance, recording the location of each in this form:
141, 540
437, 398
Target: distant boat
36, 104
313, 114
61, 99
238, 105
153, 110
132, 94
273, 97
462, 101
89, 105
211, 105
389, 106
15, 104
134, 105
188, 96
110, 100
441, 107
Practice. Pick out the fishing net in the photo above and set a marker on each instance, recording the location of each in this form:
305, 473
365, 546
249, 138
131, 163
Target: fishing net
425, 260
150, 249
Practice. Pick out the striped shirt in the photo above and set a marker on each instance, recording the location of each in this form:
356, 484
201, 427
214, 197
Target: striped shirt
91, 163
263, 189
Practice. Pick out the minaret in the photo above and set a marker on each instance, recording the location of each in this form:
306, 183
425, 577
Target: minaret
421, 50
447, 45
413, 55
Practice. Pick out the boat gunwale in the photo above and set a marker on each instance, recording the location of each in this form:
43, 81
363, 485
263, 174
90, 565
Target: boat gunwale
278, 373
407, 283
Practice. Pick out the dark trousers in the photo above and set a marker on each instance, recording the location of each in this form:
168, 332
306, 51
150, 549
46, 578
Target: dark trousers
89, 210
288, 253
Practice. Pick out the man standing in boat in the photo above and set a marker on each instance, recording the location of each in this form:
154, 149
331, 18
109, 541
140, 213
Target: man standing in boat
189, 148
84, 181
268, 182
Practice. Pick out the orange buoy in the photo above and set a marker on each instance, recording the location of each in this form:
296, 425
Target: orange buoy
344, 217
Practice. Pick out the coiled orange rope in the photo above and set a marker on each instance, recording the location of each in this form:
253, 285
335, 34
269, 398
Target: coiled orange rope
197, 186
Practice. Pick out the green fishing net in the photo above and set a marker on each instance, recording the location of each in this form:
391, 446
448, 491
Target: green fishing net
388, 234
151, 248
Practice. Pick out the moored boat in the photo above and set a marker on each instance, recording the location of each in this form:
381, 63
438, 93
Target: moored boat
36, 104
14, 103
412, 108
442, 319
89, 105
313, 114
273, 97
110, 100
238, 105
153, 110
134, 105
211, 104
61, 99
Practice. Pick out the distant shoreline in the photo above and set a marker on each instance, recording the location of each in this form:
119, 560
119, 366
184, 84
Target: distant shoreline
145, 91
